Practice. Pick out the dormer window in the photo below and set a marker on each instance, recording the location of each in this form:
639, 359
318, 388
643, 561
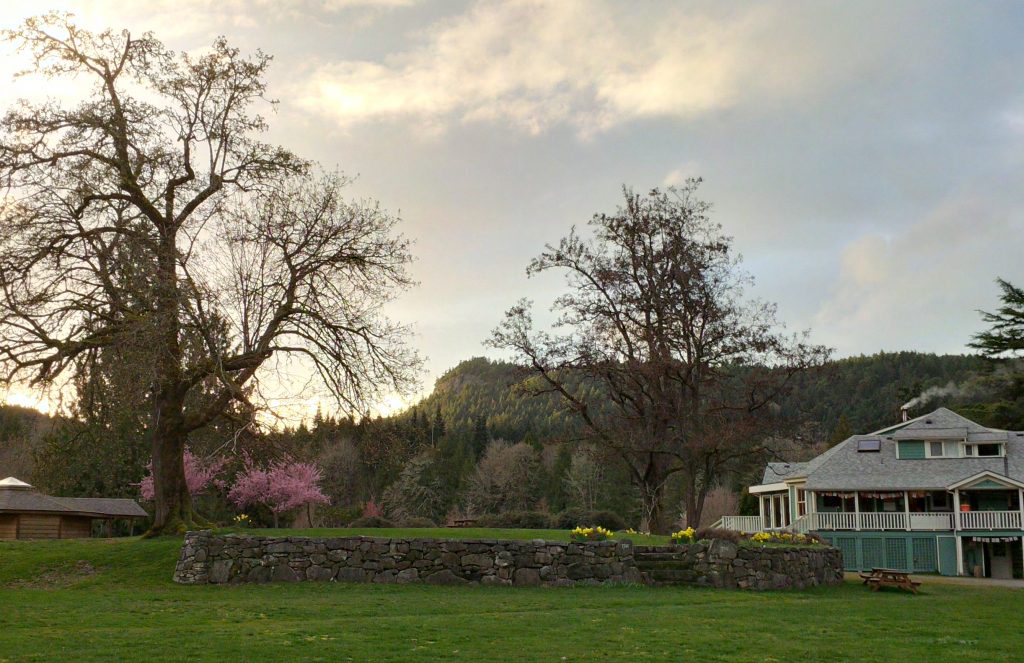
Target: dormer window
984, 450
943, 449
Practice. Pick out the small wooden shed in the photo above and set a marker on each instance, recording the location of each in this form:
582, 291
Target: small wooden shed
25, 513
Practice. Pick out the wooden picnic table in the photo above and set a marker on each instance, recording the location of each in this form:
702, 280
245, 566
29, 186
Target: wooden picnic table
879, 578
463, 522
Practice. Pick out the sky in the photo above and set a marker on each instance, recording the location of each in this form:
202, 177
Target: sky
867, 158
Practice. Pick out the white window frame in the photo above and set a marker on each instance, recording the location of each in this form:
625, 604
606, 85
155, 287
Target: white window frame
950, 449
964, 446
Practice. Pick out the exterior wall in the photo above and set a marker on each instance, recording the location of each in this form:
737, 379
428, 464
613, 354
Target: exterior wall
75, 527
38, 526
917, 552
8, 526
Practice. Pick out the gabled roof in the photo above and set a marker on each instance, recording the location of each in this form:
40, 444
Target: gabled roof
20, 497
844, 468
987, 476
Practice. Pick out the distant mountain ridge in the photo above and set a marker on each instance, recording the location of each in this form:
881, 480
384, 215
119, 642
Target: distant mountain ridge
865, 392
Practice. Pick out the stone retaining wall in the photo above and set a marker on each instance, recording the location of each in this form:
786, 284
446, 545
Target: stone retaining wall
217, 559
209, 558
728, 565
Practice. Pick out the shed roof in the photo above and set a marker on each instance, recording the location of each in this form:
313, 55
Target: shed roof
19, 497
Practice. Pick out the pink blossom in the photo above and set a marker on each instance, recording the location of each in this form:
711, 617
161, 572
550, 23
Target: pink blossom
199, 475
372, 510
285, 486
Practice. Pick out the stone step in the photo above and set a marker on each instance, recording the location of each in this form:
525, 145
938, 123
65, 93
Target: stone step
659, 556
671, 576
645, 565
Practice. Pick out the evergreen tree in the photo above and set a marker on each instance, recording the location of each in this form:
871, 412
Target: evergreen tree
481, 436
1005, 337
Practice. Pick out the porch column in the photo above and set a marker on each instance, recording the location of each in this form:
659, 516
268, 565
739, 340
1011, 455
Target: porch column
906, 507
856, 510
956, 514
1020, 506
959, 555
771, 505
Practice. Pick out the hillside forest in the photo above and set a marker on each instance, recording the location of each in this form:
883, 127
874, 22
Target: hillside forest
477, 447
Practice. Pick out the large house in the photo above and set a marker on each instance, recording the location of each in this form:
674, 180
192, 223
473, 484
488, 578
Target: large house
25, 513
936, 493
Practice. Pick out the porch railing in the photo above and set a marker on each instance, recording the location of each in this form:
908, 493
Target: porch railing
931, 521
745, 524
874, 521
990, 520
830, 521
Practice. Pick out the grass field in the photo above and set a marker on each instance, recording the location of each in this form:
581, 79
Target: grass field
107, 600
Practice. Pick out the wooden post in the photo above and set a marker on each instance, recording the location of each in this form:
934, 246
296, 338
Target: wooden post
1020, 507
906, 507
856, 510
959, 555
956, 509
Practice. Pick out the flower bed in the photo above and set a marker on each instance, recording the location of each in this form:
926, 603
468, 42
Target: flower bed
582, 534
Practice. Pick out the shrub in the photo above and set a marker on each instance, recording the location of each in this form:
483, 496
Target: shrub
709, 533
517, 520
569, 518
415, 522
371, 521
607, 519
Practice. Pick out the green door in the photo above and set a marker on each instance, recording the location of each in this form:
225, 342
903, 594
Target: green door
947, 555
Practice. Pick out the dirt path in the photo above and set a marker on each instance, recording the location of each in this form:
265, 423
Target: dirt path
954, 580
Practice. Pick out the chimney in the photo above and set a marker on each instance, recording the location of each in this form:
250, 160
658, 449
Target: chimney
905, 413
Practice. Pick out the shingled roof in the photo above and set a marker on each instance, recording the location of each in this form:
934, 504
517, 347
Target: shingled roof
19, 497
843, 467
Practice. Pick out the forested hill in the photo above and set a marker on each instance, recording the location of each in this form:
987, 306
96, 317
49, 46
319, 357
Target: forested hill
867, 391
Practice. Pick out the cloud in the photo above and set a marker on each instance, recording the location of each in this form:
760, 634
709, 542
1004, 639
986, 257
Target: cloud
535, 64
678, 176
921, 287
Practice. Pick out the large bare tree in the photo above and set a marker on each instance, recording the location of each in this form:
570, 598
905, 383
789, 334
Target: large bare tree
657, 351
150, 216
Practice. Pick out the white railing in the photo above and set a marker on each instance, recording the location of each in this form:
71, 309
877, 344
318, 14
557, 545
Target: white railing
931, 521
991, 520
745, 524
892, 521
829, 521
883, 520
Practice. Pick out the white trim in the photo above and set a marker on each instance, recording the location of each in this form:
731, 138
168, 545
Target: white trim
986, 474
768, 488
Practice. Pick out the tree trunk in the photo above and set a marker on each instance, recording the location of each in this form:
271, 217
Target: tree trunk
174, 512
653, 517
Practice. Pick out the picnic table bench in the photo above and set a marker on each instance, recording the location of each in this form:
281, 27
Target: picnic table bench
879, 578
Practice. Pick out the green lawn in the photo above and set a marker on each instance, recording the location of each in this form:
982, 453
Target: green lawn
128, 609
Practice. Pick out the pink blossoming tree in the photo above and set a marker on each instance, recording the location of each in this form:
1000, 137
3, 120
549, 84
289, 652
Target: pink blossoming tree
284, 486
200, 475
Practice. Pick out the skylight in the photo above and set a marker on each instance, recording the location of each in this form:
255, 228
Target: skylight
869, 445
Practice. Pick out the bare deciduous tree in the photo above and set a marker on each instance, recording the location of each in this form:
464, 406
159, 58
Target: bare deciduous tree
150, 214
662, 358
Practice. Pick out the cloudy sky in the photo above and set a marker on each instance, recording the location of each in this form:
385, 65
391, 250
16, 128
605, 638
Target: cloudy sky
866, 156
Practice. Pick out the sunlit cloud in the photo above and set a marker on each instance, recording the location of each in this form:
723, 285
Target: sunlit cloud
534, 64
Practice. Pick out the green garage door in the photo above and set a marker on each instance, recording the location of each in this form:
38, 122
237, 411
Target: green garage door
947, 555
